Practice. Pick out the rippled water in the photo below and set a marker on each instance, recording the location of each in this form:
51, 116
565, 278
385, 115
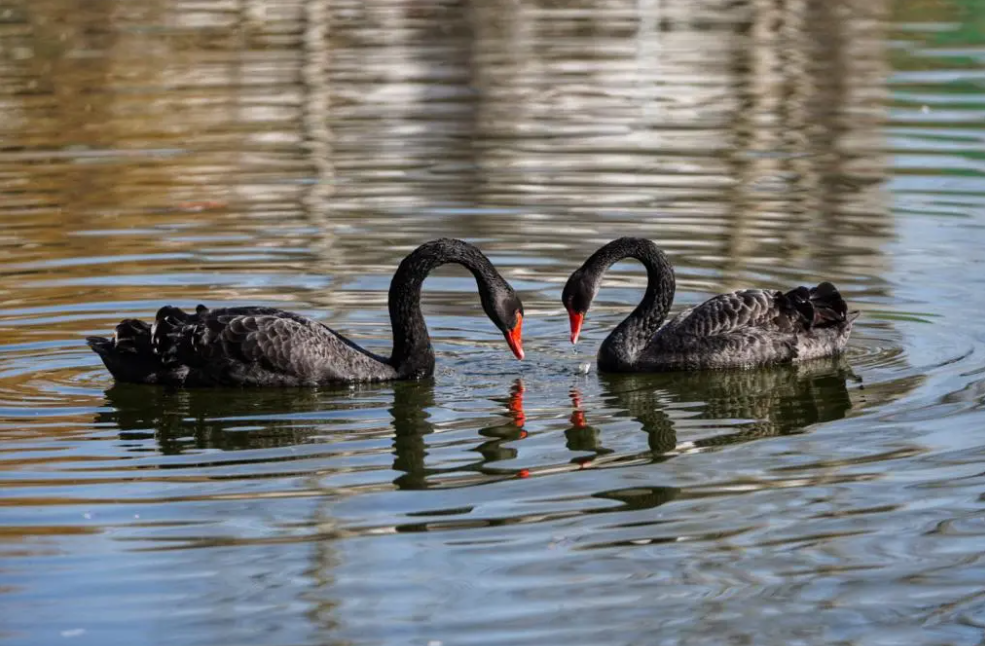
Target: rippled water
290, 153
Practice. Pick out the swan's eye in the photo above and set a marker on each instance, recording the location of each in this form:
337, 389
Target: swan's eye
577, 302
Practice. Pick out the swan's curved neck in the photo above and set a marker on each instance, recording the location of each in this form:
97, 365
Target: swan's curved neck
624, 345
412, 352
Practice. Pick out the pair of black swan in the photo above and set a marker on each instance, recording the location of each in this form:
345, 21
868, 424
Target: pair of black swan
263, 346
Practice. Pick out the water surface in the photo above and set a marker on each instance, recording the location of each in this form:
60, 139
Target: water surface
290, 153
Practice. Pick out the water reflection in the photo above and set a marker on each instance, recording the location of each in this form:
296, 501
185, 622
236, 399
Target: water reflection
522, 112
581, 436
238, 420
411, 426
675, 411
226, 419
759, 403
810, 185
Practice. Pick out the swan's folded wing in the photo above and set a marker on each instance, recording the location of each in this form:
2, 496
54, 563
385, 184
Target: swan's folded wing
741, 328
735, 312
220, 342
309, 350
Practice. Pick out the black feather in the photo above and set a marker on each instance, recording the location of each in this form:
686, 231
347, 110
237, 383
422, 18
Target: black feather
264, 346
738, 329
829, 307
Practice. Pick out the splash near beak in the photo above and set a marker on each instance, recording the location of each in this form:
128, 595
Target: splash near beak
513, 337
576, 318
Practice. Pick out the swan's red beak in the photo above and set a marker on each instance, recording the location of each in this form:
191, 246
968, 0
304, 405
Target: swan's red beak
576, 318
514, 337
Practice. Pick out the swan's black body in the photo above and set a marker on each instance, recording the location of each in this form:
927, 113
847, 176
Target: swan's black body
263, 346
739, 329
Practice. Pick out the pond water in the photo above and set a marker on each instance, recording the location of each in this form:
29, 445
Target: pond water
290, 153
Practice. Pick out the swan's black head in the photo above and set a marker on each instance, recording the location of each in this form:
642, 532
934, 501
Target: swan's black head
577, 298
584, 283
505, 310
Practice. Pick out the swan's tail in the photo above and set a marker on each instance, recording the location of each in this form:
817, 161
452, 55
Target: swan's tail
829, 307
167, 335
822, 306
129, 355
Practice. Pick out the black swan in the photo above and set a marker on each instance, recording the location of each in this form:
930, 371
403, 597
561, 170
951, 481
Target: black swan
740, 329
263, 346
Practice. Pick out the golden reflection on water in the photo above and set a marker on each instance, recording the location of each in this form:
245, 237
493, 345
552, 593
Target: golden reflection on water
752, 123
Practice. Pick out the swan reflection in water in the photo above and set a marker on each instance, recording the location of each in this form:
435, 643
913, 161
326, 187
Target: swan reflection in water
231, 419
411, 424
758, 403
751, 404
234, 420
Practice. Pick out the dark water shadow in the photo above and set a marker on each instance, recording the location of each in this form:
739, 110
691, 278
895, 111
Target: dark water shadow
411, 427
759, 403
228, 419
234, 420
755, 403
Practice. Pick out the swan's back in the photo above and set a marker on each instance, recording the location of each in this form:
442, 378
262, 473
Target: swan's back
753, 327
237, 346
